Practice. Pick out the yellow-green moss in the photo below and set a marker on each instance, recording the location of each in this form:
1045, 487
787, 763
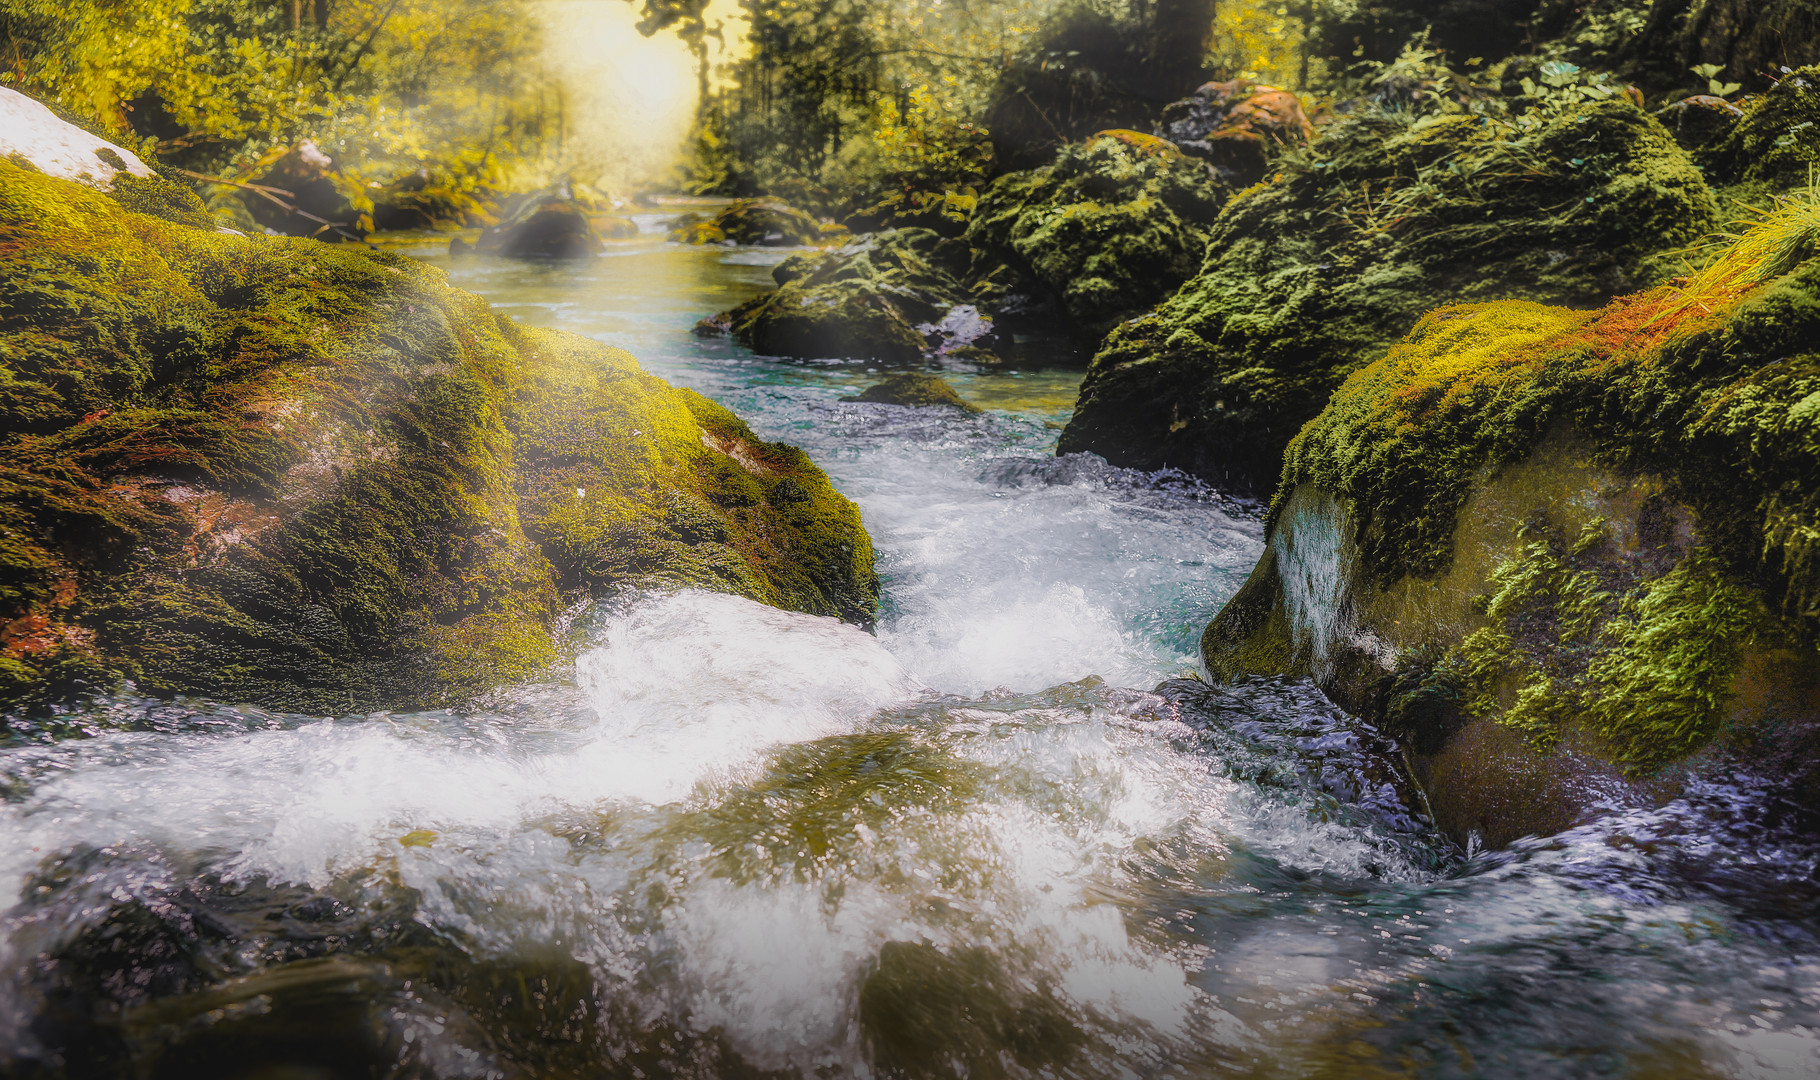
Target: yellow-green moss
318, 478
750, 221
864, 300
1311, 275
1578, 637
1628, 633
1111, 226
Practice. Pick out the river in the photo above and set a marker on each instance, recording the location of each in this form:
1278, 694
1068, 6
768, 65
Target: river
1002, 837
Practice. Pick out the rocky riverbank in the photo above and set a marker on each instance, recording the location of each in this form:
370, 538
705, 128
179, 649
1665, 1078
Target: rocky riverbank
317, 478
1566, 555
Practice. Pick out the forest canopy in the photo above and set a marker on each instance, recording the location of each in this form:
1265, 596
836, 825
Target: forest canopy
833, 105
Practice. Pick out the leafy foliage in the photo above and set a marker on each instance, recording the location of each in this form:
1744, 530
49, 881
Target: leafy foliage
226, 86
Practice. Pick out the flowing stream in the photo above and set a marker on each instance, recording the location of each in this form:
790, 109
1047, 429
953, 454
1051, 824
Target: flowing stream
1003, 837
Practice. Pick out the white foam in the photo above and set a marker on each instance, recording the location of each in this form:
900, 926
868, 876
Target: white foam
685, 687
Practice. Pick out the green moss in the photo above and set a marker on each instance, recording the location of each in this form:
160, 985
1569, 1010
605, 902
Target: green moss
1640, 659
319, 479
1629, 633
1775, 148
1111, 226
916, 389
160, 196
864, 300
1310, 276
750, 221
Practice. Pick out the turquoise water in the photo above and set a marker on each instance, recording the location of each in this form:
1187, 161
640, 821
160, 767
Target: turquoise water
1000, 838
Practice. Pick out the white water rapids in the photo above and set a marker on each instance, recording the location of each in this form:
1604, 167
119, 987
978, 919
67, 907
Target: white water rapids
734, 841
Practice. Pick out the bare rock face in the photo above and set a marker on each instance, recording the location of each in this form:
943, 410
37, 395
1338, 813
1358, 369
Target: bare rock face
31, 133
1237, 126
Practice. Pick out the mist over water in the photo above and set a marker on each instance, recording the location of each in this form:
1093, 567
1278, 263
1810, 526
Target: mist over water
734, 841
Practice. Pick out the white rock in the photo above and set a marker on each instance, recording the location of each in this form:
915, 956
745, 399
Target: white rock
57, 148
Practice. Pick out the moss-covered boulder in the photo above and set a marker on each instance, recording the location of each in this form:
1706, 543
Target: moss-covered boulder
756, 222
1311, 276
1568, 556
892, 296
317, 478
1110, 227
915, 389
556, 222
1774, 146
944, 212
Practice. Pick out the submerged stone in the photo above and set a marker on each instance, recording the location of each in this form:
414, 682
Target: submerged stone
1312, 275
915, 389
1110, 227
317, 478
1566, 555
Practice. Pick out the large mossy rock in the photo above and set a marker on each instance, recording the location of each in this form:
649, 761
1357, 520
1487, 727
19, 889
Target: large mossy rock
1569, 556
1311, 276
1112, 225
1774, 146
317, 478
888, 296
755, 222
556, 222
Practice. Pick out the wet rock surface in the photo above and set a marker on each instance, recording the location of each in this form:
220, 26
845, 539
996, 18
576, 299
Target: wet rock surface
892, 296
1311, 276
1561, 553
557, 222
316, 477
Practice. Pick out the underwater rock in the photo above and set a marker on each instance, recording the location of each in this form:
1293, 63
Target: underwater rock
1566, 556
553, 223
1237, 126
890, 296
1110, 227
915, 389
1312, 275
750, 221
317, 478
